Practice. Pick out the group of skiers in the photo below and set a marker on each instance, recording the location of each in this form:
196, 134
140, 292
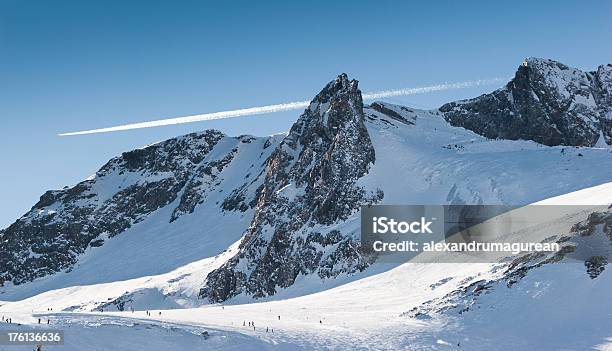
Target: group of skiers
10, 320
252, 324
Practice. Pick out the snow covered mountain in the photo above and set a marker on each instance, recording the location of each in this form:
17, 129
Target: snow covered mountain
293, 199
168, 179
310, 181
547, 102
206, 218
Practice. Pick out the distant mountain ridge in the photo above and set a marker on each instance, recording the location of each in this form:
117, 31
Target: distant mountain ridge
181, 172
547, 102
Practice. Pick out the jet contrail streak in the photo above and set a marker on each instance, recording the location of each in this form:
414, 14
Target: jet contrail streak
431, 88
285, 107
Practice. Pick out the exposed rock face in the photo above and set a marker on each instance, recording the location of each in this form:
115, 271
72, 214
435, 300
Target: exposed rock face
310, 183
388, 111
602, 84
181, 172
546, 102
601, 221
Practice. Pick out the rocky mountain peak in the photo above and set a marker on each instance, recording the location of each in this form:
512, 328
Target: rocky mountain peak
310, 180
179, 174
542, 64
545, 76
331, 125
339, 105
546, 101
337, 89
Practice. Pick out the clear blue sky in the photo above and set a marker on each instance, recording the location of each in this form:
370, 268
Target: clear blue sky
72, 65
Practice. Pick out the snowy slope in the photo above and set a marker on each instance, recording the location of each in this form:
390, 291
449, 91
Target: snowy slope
555, 306
157, 244
431, 162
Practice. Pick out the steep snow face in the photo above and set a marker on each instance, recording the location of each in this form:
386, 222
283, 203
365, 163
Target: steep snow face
309, 186
427, 161
546, 101
166, 199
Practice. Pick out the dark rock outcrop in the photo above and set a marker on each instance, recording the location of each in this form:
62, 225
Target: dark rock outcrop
547, 102
310, 181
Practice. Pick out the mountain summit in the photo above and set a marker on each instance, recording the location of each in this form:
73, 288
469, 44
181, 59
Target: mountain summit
310, 180
547, 102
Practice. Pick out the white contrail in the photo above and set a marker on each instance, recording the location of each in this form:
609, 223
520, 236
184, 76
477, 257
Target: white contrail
432, 88
285, 107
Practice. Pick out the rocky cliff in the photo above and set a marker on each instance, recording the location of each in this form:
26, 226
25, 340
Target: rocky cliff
309, 185
547, 102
